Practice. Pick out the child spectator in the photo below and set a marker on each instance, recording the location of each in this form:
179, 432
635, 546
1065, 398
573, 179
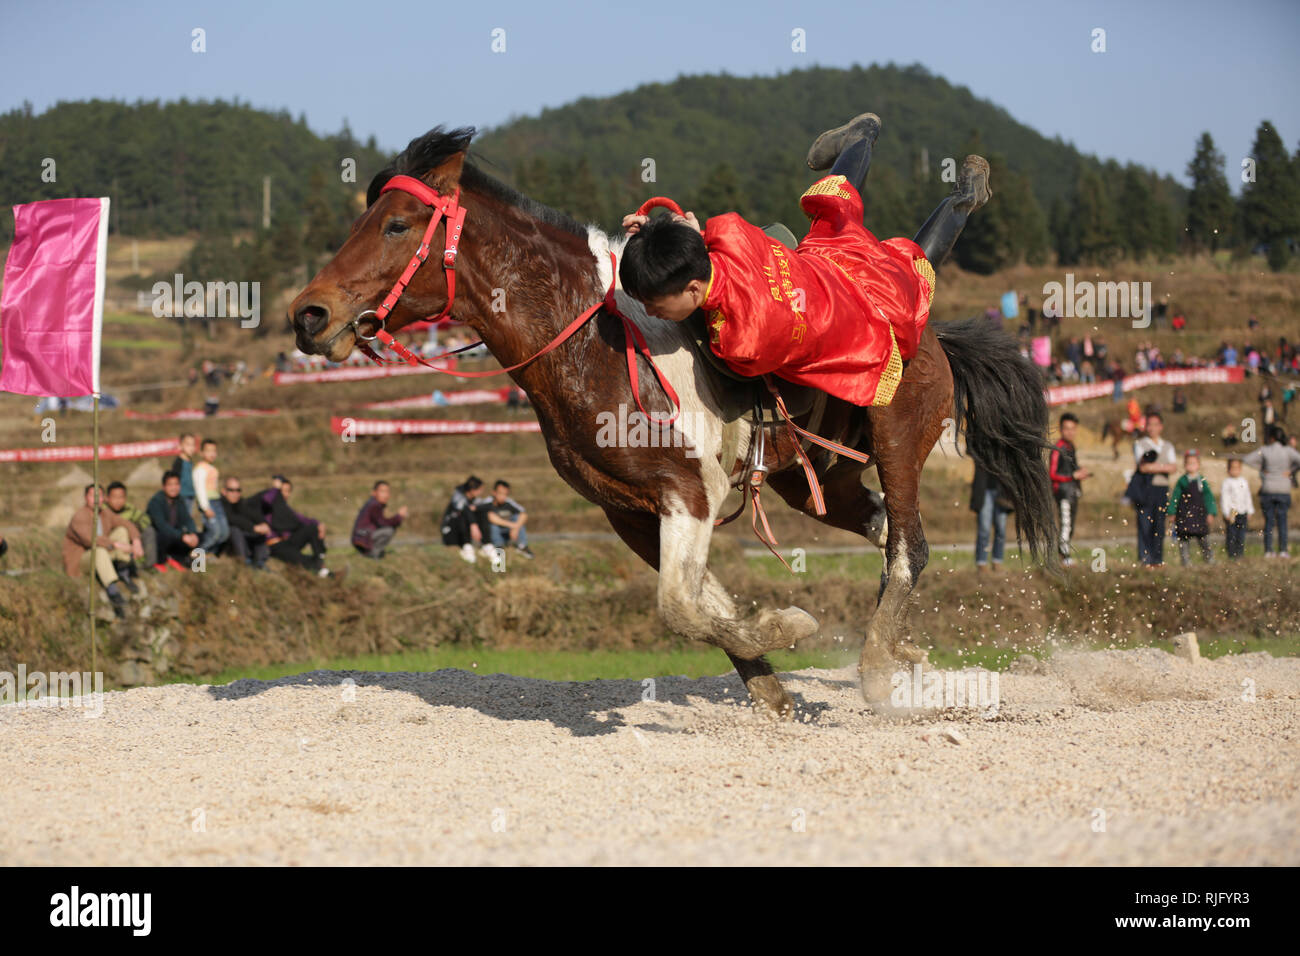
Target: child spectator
183, 465
147, 551
1066, 478
1237, 507
460, 529
1191, 503
373, 530
1274, 461
173, 524
216, 529
504, 519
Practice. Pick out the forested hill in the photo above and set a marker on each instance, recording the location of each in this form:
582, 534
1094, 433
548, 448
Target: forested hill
743, 140
173, 168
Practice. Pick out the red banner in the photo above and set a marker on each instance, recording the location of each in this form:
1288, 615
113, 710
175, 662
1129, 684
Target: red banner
467, 396
135, 449
1064, 394
424, 426
359, 373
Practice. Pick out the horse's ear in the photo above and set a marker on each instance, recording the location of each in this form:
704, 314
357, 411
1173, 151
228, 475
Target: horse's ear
445, 177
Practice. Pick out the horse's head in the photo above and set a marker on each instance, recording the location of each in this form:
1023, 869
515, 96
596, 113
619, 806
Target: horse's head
339, 304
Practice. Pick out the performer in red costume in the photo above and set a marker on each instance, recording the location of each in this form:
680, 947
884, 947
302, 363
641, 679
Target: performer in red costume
841, 312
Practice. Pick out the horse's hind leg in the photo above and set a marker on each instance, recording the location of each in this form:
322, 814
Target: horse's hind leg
641, 532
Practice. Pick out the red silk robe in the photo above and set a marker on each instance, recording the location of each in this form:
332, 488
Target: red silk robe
841, 313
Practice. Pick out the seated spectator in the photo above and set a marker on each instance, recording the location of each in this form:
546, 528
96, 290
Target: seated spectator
460, 527
115, 501
249, 530
373, 530
291, 531
503, 519
105, 540
173, 525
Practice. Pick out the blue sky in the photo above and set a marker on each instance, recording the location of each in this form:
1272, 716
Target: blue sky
1172, 68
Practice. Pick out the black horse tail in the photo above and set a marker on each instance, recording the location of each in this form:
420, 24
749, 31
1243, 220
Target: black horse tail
1002, 412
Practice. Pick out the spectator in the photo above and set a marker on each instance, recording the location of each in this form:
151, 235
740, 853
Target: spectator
1066, 478
1274, 462
1191, 504
105, 540
504, 519
291, 532
1237, 508
183, 465
991, 512
173, 524
1180, 401
148, 536
1161, 463
115, 501
460, 528
1288, 396
249, 530
1267, 414
216, 529
373, 530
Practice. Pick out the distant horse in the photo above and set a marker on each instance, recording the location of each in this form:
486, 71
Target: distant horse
523, 271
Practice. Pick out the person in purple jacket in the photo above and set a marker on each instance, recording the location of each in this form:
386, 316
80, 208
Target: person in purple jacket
373, 530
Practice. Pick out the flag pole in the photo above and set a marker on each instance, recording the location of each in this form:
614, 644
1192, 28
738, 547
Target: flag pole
94, 531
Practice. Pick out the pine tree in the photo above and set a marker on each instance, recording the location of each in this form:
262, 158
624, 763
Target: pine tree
720, 192
1209, 206
1270, 206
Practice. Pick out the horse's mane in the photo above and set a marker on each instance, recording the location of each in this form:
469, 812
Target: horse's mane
435, 147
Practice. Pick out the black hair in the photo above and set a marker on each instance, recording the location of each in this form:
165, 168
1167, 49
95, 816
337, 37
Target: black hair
115, 484
206, 442
1068, 417
1154, 414
502, 483
376, 485
169, 475
1275, 433
661, 258
473, 481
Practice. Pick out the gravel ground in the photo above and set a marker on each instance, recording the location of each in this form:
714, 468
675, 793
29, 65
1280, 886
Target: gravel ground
1114, 757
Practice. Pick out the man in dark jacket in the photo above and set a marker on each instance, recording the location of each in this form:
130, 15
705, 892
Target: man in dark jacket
373, 530
173, 524
460, 527
249, 529
291, 531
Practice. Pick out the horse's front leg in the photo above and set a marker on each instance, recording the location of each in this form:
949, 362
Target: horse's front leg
694, 604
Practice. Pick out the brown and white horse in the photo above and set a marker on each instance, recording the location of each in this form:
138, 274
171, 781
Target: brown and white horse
525, 271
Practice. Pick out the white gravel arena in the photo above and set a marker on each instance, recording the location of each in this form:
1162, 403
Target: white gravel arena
1115, 757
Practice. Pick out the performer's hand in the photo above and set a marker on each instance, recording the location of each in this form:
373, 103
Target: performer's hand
690, 220
632, 223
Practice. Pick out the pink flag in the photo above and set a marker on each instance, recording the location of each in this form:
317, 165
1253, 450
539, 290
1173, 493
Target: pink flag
1041, 350
52, 308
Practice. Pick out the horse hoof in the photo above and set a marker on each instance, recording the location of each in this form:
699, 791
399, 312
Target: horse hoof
767, 694
786, 627
906, 651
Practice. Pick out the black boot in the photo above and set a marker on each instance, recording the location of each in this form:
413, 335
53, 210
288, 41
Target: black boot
126, 573
939, 234
831, 145
117, 599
